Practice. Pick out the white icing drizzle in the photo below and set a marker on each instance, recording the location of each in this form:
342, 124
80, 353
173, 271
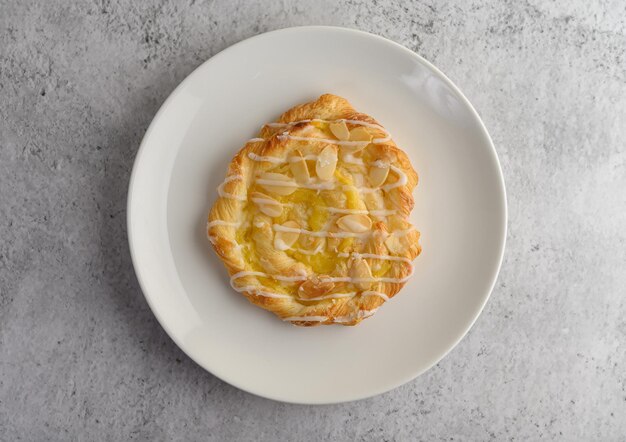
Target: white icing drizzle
354, 122
363, 189
351, 159
374, 256
382, 212
402, 179
308, 157
265, 275
331, 296
321, 233
255, 157
220, 222
285, 136
303, 277
278, 160
310, 185
223, 194
372, 126
379, 279
361, 314
259, 292
293, 123
347, 158
364, 123
262, 201
382, 140
262, 291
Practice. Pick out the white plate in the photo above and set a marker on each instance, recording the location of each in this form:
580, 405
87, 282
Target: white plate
460, 210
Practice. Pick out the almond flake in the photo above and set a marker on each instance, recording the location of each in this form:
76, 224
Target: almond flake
355, 223
394, 244
284, 240
340, 130
266, 204
315, 287
361, 273
359, 139
299, 168
377, 174
326, 163
273, 182
360, 134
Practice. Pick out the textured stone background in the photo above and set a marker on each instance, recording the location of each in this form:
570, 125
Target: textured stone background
81, 356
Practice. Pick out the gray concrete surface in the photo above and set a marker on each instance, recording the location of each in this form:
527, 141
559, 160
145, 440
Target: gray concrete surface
82, 357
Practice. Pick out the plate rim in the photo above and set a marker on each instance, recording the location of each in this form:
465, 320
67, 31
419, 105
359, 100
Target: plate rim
141, 277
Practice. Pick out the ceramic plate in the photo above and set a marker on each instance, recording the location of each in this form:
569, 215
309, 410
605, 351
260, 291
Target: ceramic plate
460, 210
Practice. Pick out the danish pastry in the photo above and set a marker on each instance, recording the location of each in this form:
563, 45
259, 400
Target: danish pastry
312, 218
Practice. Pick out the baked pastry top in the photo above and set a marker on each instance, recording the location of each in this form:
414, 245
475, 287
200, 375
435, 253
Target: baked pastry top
312, 218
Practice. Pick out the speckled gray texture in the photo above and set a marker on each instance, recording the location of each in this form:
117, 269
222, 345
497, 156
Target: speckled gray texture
82, 357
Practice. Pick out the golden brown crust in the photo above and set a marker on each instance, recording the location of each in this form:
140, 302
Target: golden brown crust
323, 244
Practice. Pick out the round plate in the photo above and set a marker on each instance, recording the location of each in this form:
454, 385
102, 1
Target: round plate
460, 208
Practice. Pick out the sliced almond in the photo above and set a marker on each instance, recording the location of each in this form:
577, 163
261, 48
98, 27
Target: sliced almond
355, 223
339, 130
394, 244
353, 148
266, 204
360, 134
378, 173
361, 273
315, 287
277, 183
298, 167
326, 163
359, 139
284, 240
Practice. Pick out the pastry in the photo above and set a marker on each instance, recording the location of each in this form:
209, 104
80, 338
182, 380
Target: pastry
312, 218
